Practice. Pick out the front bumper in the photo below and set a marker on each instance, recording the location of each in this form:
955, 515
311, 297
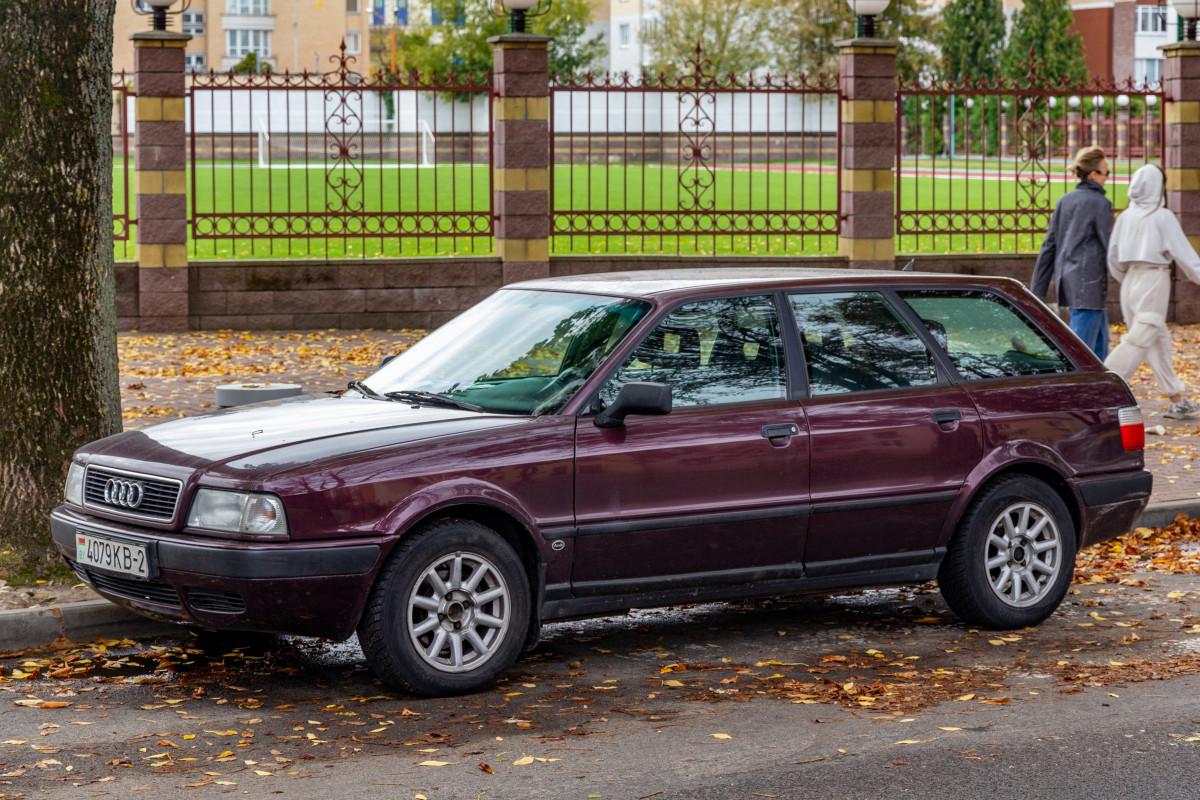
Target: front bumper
1112, 503
286, 587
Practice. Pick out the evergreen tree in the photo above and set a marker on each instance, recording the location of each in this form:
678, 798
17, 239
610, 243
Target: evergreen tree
1043, 25
972, 38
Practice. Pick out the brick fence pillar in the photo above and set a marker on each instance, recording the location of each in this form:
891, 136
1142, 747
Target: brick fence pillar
160, 160
868, 158
1181, 159
522, 154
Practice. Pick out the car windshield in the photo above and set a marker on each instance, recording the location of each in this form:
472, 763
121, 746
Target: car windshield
517, 352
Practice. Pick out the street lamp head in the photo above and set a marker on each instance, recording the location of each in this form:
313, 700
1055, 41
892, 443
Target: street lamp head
1151, 99
1098, 100
1073, 102
157, 11
865, 12
1123, 100
518, 11
1190, 11
970, 102
1052, 102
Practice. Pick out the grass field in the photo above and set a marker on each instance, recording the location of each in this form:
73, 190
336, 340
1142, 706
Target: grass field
340, 213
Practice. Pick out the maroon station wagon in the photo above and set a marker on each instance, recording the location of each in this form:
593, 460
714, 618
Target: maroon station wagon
578, 446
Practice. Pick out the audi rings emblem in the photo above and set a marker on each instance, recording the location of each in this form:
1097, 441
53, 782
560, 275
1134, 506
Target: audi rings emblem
128, 494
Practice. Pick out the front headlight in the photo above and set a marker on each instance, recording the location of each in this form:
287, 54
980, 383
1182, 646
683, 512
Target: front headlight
73, 493
238, 512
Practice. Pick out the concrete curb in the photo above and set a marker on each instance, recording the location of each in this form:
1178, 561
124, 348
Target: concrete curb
27, 628
86, 621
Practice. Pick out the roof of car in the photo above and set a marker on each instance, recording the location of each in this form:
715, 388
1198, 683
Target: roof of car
647, 283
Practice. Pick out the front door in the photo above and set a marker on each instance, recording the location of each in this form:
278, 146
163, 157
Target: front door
716, 492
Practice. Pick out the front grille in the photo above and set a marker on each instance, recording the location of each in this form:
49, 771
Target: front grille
144, 591
159, 495
213, 600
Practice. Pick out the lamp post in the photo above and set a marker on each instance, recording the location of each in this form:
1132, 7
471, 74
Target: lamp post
1074, 123
158, 11
865, 12
1190, 11
518, 11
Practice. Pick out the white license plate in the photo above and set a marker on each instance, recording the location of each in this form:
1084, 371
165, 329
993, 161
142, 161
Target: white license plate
95, 551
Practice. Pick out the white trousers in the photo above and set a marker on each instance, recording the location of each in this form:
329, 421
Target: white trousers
1145, 293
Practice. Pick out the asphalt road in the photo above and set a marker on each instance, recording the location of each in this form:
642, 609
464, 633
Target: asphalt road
875, 695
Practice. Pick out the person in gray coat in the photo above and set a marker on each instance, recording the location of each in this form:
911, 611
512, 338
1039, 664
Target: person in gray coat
1075, 251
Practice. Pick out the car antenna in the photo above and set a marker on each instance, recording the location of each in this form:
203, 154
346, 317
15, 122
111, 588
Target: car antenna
909, 266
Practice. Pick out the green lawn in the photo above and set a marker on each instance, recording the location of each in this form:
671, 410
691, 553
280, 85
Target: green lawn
350, 213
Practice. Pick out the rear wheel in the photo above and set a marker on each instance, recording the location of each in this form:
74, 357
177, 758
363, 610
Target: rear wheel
448, 613
1010, 562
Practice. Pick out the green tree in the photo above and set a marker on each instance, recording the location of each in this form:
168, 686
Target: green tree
58, 326
458, 43
732, 35
1043, 26
972, 38
804, 35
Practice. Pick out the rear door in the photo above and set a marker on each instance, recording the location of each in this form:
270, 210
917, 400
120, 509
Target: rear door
892, 439
716, 492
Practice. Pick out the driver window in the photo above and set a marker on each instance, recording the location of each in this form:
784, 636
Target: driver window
855, 342
717, 351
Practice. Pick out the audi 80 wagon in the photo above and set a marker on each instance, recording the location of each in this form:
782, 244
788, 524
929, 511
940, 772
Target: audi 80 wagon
581, 445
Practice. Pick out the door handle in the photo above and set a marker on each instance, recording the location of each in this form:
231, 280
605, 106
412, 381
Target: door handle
946, 415
777, 431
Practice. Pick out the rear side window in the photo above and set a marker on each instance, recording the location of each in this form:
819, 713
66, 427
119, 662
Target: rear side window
984, 336
856, 341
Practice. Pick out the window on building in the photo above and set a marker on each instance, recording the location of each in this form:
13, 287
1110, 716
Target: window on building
248, 8
242, 42
1151, 19
352, 6
353, 42
1147, 70
195, 62
623, 35
193, 23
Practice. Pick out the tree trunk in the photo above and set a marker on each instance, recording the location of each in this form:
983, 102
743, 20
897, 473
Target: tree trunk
58, 340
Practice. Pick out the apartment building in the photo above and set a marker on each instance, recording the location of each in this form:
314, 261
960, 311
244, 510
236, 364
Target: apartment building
623, 23
1121, 37
289, 35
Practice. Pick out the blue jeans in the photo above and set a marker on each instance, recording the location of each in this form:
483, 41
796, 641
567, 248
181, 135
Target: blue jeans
1091, 325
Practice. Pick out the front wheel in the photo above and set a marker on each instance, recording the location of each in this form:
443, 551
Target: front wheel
448, 613
1010, 562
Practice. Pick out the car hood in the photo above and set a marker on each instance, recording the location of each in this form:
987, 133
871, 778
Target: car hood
281, 434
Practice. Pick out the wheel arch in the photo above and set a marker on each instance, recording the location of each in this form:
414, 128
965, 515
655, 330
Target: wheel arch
1040, 470
515, 532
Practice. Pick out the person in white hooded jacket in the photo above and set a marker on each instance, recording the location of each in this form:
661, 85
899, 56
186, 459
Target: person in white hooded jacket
1145, 240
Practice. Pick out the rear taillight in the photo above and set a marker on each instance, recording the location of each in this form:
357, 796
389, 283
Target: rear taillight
1133, 430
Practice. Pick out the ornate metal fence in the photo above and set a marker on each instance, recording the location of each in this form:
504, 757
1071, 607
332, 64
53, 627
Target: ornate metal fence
336, 164
123, 199
981, 163
702, 163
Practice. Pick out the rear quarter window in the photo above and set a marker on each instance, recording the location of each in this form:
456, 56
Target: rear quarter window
984, 336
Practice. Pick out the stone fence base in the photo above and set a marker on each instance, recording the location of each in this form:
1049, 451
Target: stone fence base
424, 293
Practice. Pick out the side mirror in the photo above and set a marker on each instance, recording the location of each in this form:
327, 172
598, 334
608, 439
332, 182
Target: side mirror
385, 361
649, 399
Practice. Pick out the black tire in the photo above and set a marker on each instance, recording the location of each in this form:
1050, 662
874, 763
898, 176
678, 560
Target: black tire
478, 626
1036, 546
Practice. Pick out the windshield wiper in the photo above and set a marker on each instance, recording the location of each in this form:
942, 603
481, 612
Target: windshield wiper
413, 396
366, 391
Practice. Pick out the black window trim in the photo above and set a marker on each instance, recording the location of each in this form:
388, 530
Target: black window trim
997, 297
616, 359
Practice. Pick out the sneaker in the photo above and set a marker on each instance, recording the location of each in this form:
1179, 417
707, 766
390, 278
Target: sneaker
1184, 409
